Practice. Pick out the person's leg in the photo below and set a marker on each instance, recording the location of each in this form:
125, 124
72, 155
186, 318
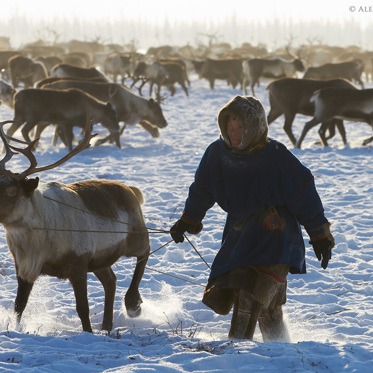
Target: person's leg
245, 316
272, 325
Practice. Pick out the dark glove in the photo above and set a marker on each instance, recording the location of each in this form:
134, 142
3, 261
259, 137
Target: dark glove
323, 250
181, 226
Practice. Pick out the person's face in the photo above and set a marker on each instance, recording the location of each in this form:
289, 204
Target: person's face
234, 131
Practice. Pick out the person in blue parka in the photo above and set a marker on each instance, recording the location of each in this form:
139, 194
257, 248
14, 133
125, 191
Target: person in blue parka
267, 194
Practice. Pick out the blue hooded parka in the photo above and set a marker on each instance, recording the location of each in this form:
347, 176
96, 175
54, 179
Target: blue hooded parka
267, 195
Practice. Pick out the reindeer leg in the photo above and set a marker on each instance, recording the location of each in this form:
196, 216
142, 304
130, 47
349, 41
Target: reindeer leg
40, 127
132, 299
272, 115
122, 129
142, 85
312, 123
369, 139
134, 82
185, 89
151, 129
341, 130
289, 119
322, 130
151, 88
172, 89
14, 127
252, 84
330, 128
244, 84
182, 83
158, 94
108, 281
23, 293
67, 135
26, 129
78, 281
60, 133
55, 135
116, 138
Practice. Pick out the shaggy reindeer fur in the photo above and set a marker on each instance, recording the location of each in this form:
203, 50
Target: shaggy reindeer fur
68, 230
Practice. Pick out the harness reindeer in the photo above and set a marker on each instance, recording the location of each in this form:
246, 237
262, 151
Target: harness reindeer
68, 230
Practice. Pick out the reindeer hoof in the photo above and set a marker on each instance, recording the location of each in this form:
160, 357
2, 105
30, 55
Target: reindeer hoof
107, 326
133, 304
134, 312
154, 132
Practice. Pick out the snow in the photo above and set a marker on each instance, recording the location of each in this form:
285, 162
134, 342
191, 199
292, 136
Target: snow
328, 312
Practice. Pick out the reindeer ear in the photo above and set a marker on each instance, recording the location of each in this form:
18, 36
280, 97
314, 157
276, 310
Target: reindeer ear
29, 185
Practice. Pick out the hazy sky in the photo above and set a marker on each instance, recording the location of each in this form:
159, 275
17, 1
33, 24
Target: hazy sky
272, 22
176, 10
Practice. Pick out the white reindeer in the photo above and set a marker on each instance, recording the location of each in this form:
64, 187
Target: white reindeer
68, 230
255, 68
347, 104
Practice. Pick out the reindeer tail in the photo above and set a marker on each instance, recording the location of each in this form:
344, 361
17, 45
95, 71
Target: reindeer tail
138, 194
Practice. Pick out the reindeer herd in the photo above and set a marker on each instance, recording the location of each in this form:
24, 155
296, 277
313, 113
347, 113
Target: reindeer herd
95, 71
73, 89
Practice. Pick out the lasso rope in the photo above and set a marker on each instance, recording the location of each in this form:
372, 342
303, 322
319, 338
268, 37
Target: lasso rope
179, 278
152, 230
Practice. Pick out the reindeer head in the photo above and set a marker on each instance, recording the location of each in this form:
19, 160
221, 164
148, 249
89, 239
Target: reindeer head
15, 185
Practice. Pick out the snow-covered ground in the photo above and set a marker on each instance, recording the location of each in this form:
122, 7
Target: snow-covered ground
328, 312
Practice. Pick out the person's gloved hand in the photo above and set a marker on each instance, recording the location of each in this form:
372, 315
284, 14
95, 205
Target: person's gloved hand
323, 251
322, 244
181, 226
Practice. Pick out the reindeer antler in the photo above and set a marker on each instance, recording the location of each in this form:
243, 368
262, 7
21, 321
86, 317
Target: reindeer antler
9, 154
84, 144
162, 99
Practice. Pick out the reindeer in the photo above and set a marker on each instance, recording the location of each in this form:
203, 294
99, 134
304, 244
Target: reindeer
354, 105
290, 96
117, 64
130, 108
229, 69
49, 80
63, 70
66, 231
254, 68
160, 74
68, 108
7, 93
350, 70
25, 70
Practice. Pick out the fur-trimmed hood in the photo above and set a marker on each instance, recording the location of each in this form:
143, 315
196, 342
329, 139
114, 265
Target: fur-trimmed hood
251, 113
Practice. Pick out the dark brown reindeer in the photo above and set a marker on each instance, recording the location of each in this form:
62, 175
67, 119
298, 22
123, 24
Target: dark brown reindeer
25, 70
67, 109
160, 74
229, 69
291, 96
350, 70
341, 103
69, 230
63, 70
